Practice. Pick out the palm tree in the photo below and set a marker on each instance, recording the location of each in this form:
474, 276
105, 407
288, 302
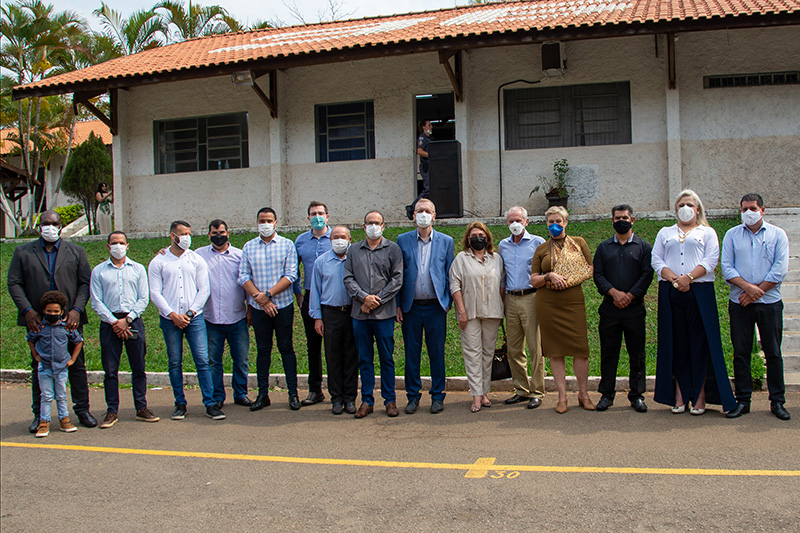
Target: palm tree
143, 30
195, 21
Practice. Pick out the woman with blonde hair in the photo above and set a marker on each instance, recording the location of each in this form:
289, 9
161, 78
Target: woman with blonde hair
476, 282
560, 305
684, 257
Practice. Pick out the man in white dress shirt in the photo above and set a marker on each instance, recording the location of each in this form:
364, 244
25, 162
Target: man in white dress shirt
179, 288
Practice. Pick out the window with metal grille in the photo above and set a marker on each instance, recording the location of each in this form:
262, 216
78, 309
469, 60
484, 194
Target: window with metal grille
752, 80
571, 115
345, 132
201, 143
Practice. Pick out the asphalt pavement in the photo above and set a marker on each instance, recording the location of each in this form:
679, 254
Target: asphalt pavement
505, 468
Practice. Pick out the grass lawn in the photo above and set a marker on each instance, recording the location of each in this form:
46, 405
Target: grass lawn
14, 352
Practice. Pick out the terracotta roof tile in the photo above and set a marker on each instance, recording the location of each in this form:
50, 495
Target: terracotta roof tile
82, 130
485, 19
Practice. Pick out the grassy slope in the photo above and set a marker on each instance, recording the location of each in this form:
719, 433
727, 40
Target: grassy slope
14, 351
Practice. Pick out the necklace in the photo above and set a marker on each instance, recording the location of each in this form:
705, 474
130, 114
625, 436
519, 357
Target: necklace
682, 235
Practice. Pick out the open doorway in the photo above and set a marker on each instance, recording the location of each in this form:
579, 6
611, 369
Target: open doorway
440, 110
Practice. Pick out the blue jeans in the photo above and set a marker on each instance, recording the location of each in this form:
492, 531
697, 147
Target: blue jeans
52, 384
195, 334
433, 320
382, 333
238, 337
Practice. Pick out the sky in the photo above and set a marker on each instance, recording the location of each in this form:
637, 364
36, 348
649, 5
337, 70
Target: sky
248, 11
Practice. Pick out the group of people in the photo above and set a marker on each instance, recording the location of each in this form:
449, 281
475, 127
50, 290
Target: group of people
352, 295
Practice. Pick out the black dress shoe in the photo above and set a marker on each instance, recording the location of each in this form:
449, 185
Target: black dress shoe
411, 407
34, 425
739, 410
639, 406
534, 403
437, 406
350, 408
262, 401
294, 402
313, 397
87, 420
337, 408
517, 398
410, 211
780, 411
604, 404
246, 402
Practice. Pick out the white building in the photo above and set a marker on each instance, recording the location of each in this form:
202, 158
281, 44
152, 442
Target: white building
643, 99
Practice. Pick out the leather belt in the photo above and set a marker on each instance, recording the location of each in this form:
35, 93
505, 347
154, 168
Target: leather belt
340, 308
120, 315
523, 292
430, 301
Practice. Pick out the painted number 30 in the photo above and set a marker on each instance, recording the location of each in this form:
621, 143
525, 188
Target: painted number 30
500, 474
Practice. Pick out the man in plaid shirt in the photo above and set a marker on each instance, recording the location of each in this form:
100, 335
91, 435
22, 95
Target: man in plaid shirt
267, 271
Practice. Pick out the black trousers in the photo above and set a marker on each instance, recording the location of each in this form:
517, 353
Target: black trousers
341, 354
111, 354
769, 318
78, 383
614, 323
263, 327
314, 346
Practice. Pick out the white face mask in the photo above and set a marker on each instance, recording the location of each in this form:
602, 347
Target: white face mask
50, 233
184, 242
340, 246
516, 228
119, 251
374, 231
424, 220
686, 214
751, 218
266, 229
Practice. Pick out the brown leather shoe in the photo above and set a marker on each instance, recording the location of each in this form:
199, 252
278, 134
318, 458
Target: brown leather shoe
586, 403
561, 407
363, 410
391, 409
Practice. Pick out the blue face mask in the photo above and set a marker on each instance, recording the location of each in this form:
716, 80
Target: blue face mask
317, 222
555, 230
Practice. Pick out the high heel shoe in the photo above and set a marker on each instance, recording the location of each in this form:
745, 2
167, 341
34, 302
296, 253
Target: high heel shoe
678, 409
561, 407
697, 411
586, 403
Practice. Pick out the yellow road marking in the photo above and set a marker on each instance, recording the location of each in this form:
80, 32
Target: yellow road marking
482, 465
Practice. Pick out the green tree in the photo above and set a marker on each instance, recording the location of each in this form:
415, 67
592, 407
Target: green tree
143, 30
194, 20
89, 165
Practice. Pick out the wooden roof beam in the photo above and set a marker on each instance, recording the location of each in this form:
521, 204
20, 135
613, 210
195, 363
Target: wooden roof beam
453, 72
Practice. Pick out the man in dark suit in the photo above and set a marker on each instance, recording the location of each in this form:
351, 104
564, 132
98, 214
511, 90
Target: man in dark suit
52, 264
423, 302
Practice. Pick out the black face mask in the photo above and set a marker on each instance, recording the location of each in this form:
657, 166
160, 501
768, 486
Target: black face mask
622, 226
52, 319
219, 240
477, 243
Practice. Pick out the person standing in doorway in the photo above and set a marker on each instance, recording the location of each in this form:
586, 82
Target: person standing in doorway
425, 137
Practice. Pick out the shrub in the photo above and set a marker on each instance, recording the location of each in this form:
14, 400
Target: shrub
69, 213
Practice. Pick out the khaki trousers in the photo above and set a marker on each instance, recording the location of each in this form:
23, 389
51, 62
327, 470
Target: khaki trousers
478, 341
521, 326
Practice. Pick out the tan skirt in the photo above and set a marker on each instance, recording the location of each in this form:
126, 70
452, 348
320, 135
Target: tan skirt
562, 322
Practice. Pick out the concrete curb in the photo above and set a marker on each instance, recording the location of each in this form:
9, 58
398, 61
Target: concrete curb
454, 383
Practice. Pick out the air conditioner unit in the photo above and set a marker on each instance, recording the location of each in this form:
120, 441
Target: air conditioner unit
553, 58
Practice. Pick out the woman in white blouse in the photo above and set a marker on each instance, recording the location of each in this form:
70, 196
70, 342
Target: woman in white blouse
684, 257
476, 279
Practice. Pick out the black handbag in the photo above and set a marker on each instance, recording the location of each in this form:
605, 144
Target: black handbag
500, 367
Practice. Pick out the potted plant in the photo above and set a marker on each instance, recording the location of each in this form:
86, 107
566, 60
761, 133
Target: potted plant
556, 187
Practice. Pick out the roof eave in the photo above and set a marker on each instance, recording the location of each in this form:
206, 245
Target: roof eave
461, 42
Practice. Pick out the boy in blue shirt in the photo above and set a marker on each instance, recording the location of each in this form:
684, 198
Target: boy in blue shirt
49, 349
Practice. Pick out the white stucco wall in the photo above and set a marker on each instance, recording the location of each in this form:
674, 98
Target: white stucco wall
745, 139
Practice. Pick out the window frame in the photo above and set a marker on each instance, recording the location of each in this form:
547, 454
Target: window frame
347, 120
556, 110
165, 160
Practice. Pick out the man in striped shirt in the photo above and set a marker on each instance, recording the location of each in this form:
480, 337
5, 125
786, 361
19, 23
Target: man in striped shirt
266, 272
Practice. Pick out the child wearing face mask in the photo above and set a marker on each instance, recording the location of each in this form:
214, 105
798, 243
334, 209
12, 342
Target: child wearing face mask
49, 349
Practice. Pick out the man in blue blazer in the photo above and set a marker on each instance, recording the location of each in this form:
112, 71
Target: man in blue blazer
423, 302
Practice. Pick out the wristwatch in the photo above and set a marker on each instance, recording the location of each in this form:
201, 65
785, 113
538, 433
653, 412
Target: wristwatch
269, 294
691, 278
190, 313
129, 320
